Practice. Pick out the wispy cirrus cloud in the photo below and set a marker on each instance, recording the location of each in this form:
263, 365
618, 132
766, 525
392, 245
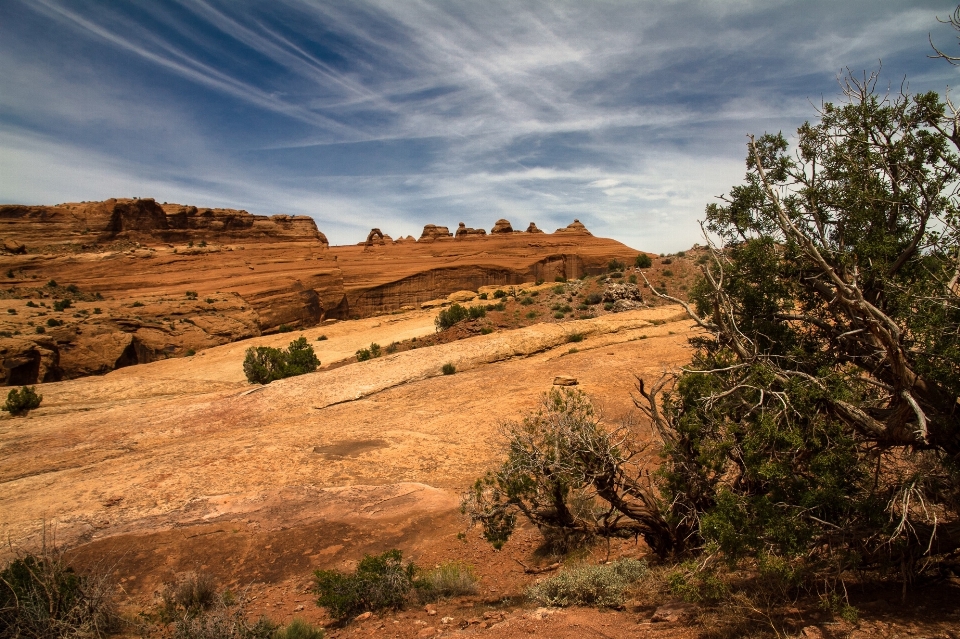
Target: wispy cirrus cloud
628, 116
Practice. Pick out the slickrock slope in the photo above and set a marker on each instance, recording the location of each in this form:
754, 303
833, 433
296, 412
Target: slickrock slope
190, 440
126, 267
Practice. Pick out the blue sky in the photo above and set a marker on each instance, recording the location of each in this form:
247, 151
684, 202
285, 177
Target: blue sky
630, 116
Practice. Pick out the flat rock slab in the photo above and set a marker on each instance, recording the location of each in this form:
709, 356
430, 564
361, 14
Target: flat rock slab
564, 380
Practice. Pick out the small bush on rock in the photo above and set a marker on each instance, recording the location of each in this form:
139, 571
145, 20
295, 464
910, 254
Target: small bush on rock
263, 364
449, 579
449, 369
20, 401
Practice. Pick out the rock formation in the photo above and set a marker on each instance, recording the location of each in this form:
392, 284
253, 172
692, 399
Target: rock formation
575, 227
533, 228
502, 226
463, 230
624, 297
87, 223
433, 232
127, 266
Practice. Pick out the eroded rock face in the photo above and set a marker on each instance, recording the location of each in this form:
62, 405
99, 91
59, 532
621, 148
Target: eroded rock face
502, 226
464, 230
533, 228
250, 275
433, 232
142, 220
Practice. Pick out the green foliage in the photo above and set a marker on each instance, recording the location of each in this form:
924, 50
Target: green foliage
643, 261
499, 306
136, 304
191, 295
52, 323
321, 338
191, 594
483, 296
615, 265
559, 278
456, 314
499, 294
598, 586
31, 304
21, 401
575, 337
263, 364
593, 299
42, 598
40, 330
283, 328
52, 284
62, 305
97, 310
667, 273
527, 301
379, 582
449, 369
375, 350
632, 279
190, 352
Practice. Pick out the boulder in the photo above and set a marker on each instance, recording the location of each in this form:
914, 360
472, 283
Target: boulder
673, 612
462, 296
433, 232
564, 380
464, 230
533, 228
502, 226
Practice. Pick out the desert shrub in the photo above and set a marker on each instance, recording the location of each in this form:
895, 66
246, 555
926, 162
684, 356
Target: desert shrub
31, 304
40, 330
499, 293
532, 315
97, 310
599, 586
62, 305
73, 288
223, 622
615, 265
616, 275
23, 400
298, 629
449, 369
190, 594
608, 306
483, 296
499, 306
379, 582
575, 337
449, 579
137, 304
593, 299
42, 598
559, 278
681, 253
558, 315
191, 295
457, 313
190, 352
392, 347
559, 290
10, 274
322, 338
363, 354
12, 311
54, 322
263, 364
667, 273
52, 284
643, 261
632, 279
666, 261
486, 330
283, 328
203, 243
526, 301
